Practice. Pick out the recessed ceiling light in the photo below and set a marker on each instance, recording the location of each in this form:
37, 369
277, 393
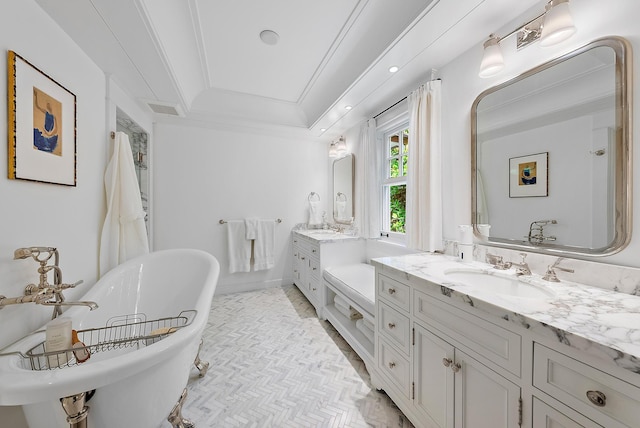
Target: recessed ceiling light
393, 69
323, 129
348, 107
269, 37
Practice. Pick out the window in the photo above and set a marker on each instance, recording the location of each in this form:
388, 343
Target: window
394, 181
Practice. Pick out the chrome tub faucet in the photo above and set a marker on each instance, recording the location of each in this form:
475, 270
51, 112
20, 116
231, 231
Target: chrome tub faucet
44, 293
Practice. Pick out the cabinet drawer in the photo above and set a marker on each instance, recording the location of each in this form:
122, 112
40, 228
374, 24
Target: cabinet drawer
314, 266
394, 366
573, 382
545, 416
394, 326
306, 246
497, 345
394, 292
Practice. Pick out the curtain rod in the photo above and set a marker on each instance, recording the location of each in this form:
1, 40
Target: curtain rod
396, 103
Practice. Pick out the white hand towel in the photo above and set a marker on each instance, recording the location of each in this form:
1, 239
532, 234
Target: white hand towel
239, 247
251, 226
341, 208
315, 215
263, 246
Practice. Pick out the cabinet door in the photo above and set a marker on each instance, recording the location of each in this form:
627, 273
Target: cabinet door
483, 398
433, 377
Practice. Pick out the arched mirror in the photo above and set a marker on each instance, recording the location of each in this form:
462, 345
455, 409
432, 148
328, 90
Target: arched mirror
343, 190
551, 164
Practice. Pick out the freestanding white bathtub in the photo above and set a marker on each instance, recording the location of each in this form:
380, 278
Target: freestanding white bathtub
137, 386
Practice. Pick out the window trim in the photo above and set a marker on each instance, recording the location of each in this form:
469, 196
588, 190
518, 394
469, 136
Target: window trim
398, 124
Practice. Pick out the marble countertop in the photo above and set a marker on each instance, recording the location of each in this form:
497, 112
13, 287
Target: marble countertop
326, 235
596, 321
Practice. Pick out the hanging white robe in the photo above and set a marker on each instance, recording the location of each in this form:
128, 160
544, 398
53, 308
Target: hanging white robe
124, 234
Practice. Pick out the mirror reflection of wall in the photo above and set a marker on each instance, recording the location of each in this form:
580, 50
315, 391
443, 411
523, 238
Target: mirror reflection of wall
556, 126
138, 138
343, 189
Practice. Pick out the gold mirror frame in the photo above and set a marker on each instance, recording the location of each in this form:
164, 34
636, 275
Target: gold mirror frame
623, 157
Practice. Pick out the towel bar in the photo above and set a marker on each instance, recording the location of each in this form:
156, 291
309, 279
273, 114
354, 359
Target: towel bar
278, 220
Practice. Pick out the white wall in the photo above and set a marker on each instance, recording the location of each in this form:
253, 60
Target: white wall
37, 214
461, 85
202, 175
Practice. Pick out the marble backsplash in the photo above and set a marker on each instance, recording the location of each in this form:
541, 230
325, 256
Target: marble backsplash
623, 279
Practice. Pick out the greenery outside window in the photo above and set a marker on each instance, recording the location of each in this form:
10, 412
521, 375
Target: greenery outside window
394, 183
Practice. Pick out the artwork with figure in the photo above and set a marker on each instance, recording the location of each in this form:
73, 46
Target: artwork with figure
527, 173
47, 132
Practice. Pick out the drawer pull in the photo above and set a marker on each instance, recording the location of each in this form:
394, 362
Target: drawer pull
597, 398
447, 362
392, 365
303, 258
314, 288
391, 290
455, 367
313, 251
392, 325
315, 268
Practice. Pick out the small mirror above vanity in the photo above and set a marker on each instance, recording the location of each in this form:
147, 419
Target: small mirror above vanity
343, 190
551, 164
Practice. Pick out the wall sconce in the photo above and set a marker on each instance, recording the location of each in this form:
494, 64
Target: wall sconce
333, 152
341, 146
555, 25
338, 148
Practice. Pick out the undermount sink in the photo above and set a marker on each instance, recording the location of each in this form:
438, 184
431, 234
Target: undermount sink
490, 282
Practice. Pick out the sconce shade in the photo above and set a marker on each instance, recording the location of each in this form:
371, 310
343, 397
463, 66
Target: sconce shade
332, 151
341, 147
558, 23
492, 61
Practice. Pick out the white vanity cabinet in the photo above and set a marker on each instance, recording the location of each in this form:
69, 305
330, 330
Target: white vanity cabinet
312, 254
455, 360
306, 269
433, 361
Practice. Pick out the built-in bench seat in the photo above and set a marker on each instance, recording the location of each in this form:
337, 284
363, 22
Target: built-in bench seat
354, 286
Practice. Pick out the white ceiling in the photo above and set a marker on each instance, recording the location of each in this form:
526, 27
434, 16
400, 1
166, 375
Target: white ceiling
205, 57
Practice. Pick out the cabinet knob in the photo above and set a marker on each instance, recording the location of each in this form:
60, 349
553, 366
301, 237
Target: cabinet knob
392, 365
455, 367
392, 325
447, 362
303, 258
391, 290
313, 251
597, 398
314, 288
314, 268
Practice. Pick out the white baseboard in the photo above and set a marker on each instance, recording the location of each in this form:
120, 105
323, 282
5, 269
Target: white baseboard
223, 288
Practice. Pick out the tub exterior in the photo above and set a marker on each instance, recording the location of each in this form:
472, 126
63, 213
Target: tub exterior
138, 388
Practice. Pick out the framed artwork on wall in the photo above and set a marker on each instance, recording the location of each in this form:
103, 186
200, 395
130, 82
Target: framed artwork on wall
528, 176
42, 125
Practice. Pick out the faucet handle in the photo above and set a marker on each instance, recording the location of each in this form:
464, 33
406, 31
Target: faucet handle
524, 256
65, 286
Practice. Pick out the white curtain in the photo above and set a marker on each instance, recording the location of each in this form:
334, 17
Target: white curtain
124, 234
367, 180
424, 184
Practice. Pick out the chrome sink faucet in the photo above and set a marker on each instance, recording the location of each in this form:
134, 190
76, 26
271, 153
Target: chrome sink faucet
550, 275
522, 267
497, 261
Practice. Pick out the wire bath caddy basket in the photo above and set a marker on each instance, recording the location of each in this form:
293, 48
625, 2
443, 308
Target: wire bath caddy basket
120, 332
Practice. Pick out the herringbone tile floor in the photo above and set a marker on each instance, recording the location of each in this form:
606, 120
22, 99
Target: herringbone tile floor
273, 363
